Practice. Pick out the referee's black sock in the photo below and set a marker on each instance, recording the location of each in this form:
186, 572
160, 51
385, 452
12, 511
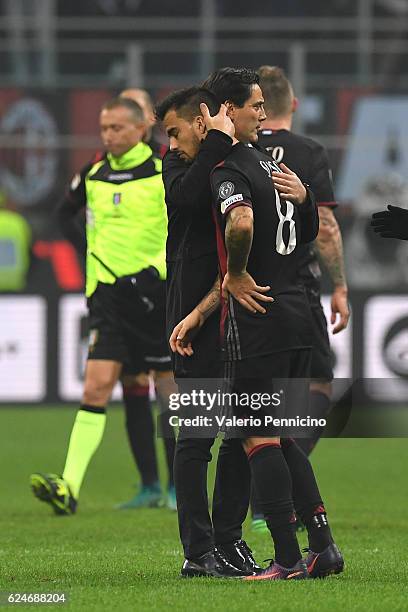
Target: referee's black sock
306, 495
320, 405
141, 433
273, 486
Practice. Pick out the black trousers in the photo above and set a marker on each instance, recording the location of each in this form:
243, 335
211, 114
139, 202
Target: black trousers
198, 533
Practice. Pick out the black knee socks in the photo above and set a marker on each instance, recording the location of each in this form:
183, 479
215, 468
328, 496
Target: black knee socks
272, 481
141, 433
320, 405
306, 496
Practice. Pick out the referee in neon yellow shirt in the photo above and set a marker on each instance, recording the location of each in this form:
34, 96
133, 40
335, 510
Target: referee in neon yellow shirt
126, 230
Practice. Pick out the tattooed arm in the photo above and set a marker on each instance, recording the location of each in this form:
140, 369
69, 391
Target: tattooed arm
330, 248
237, 281
185, 331
238, 241
238, 238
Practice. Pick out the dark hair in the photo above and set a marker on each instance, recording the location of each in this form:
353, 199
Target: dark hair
276, 89
186, 103
233, 84
134, 107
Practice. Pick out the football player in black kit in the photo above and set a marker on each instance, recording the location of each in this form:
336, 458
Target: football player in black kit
309, 160
258, 232
196, 146
324, 557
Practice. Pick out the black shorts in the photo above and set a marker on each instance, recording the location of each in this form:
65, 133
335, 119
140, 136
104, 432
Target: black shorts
322, 357
123, 328
267, 388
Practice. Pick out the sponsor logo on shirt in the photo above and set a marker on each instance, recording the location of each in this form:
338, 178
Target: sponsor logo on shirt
226, 189
124, 176
235, 198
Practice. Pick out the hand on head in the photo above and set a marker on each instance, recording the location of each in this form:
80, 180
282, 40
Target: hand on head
220, 121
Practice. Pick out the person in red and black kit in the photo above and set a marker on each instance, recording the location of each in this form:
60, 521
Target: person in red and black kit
139, 418
309, 160
263, 214
236, 87
211, 548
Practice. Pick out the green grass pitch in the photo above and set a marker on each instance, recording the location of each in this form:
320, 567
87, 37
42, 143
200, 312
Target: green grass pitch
130, 560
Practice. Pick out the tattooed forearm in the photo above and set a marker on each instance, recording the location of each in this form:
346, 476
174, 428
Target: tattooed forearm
330, 246
238, 238
211, 301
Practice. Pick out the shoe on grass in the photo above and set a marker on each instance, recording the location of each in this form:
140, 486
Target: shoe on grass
240, 555
278, 572
55, 491
149, 496
212, 564
329, 561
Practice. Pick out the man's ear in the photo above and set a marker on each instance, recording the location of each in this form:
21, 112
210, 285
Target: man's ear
200, 125
230, 109
141, 125
295, 104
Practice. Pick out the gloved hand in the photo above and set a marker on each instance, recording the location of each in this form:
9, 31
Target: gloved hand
391, 223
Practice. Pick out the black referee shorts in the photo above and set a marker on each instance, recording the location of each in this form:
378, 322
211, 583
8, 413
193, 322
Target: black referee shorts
122, 328
322, 358
264, 389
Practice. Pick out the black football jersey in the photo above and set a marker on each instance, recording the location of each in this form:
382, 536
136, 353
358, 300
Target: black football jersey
309, 160
280, 227
192, 261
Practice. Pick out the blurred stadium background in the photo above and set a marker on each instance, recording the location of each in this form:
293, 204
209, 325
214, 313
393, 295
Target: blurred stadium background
60, 60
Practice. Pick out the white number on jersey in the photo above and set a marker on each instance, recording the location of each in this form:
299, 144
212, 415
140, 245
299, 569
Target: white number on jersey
277, 153
281, 247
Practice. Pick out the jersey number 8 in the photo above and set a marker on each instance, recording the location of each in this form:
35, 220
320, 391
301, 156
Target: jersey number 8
281, 247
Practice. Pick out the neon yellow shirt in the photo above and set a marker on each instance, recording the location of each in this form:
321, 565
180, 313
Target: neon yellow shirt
126, 216
15, 239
